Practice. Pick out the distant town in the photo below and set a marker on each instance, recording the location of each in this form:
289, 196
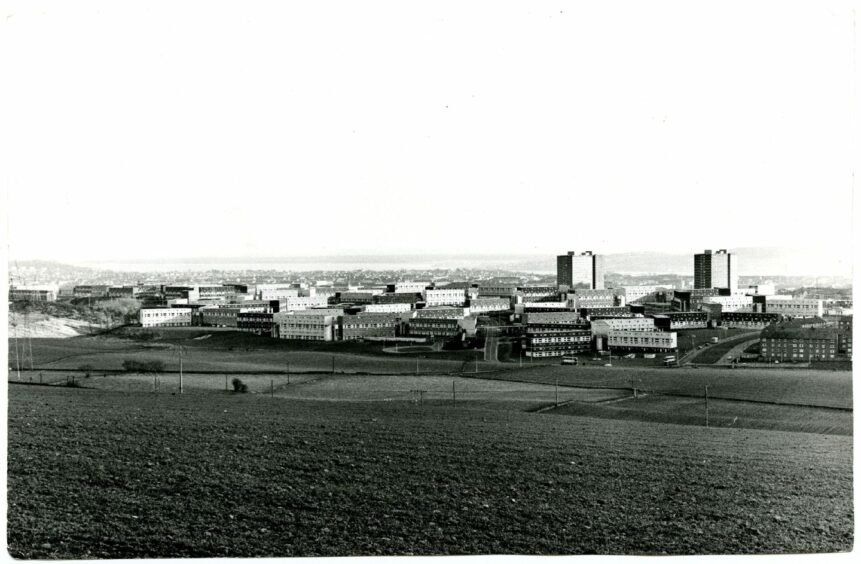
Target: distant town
580, 311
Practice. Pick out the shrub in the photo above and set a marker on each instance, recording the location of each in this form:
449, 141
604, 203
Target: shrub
239, 386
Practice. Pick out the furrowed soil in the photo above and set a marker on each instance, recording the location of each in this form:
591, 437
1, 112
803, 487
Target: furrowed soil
109, 474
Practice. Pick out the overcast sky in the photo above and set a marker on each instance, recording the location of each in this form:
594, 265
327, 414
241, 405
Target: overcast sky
244, 128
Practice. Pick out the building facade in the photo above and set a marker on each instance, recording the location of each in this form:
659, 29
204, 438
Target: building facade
33, 293
444, 296
305, 325
716, 270
165, 317
656, 341
585, 270
792, 344
363, 325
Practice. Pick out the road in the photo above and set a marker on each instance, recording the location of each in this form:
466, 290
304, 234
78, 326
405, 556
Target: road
689, 358
736, 351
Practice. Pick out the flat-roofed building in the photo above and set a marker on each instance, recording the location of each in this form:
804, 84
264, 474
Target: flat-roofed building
748, 319
219, 316
123, 292
46, 293
90, 291
642, 340
553, 318
444, 296
400, 298
211, 292
538, 294
442, 312
564, 305
603, 327
300, 303
497, 290
594, 312
638, 294
356, 297
731, 303
408, 287
677, 320
165, 317
766, 289
365, 325
306, 325
487, 305
171, 292
257, 322
794, 307
434, 327
691, 300
279, 294
388, 308
595, 298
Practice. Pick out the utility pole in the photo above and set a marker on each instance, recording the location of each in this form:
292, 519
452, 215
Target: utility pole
180, 369
225, 382
17, 358
271, 388
333, 364
453, 396
557, 391
476, 361
633, 387
707, 406
417, 366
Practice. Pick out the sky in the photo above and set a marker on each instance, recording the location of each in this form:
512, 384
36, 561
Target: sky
151, 130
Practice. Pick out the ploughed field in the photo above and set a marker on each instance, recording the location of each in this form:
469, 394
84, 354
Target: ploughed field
107, 473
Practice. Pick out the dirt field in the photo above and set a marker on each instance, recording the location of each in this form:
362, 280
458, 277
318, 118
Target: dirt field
111, 474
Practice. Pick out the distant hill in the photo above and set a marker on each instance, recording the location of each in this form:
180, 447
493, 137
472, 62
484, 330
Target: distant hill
752, 261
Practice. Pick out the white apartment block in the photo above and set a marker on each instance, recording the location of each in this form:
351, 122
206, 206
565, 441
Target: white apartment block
442, 313
552, 318
487, 305
766, 289
795, 307
561, 306
388, 308
653, 340
731, 303
277, 293
638, 294
299, 303
603, 327
444, 296
305, 325
410, 287
165, 317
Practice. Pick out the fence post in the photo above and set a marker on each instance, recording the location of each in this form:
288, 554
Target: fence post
453, 396
707, 406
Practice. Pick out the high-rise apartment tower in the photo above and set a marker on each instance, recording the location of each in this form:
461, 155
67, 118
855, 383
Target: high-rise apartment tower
585, 270
716, 270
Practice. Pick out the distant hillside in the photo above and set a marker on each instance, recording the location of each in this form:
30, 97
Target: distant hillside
752, 261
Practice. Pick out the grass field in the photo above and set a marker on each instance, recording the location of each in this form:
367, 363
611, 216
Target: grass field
795, 387
108, 474
721, 413
212, 354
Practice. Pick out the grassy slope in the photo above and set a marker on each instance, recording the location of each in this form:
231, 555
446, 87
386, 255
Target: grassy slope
106, 474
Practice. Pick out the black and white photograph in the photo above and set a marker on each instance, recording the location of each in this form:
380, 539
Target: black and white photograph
311, 280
